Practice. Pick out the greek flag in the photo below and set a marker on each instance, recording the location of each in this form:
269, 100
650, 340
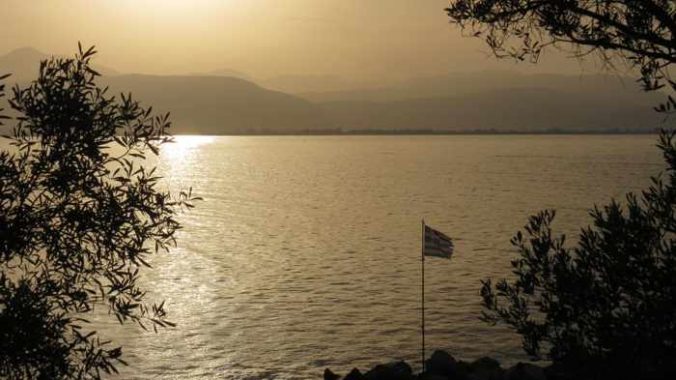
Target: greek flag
437, 244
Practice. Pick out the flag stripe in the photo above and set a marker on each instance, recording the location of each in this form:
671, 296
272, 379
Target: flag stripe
437, 244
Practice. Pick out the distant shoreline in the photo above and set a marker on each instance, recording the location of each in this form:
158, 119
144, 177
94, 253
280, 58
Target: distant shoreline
376, 132
428, 133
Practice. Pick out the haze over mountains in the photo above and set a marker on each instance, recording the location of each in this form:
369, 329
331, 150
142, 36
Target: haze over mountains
229, 101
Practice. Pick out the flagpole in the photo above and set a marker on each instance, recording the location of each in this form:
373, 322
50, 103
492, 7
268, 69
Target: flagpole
422, 265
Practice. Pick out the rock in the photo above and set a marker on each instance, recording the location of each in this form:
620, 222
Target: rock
431, 376
485, 369
485, 363
391, 371
486, 375
525, 371
463, 369
557, 371
329, 375
442, 363
355, 374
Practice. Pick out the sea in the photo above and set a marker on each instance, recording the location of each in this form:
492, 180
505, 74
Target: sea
305, 252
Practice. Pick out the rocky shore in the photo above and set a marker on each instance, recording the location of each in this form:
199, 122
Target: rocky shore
443, 366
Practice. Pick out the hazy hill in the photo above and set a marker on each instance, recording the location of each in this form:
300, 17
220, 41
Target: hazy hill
227, 73
301, 84
206, 104
220, 105
456, 84
533, 110
500, 101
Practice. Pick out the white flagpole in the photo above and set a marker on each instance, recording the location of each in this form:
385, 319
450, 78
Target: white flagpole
422, 265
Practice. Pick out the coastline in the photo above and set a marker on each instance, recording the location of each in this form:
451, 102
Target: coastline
443, 366
412, 132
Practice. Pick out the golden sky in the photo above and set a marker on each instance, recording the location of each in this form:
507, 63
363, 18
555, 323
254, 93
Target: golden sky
359, 39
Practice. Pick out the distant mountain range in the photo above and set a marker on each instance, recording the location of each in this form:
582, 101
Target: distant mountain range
220, 105
497, 101
229, 102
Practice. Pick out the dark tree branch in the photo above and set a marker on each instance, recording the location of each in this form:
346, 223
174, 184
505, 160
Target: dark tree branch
642, 32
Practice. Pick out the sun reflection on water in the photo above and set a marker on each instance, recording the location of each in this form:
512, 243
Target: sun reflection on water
183, 146
280, 271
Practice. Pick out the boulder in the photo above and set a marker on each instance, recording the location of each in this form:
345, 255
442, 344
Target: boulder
485, 363
525, 371
486, 375
329, 375
557, 371
392, 371
485, 369
442, 363
431, 376
355, 374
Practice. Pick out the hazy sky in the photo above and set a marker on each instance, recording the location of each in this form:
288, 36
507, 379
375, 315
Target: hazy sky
358, 39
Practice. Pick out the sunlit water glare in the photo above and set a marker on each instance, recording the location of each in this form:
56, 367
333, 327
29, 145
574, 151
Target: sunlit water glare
305, 252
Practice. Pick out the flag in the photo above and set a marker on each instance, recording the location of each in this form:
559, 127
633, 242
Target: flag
437, 244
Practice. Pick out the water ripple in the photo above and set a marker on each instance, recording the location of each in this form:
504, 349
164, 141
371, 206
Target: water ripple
305, 253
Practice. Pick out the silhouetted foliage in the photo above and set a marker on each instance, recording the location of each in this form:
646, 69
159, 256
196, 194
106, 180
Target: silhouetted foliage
79, 216
607, 305
642, 33
609, 299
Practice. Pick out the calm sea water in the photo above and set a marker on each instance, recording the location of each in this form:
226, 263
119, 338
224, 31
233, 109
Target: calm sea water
305, 252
